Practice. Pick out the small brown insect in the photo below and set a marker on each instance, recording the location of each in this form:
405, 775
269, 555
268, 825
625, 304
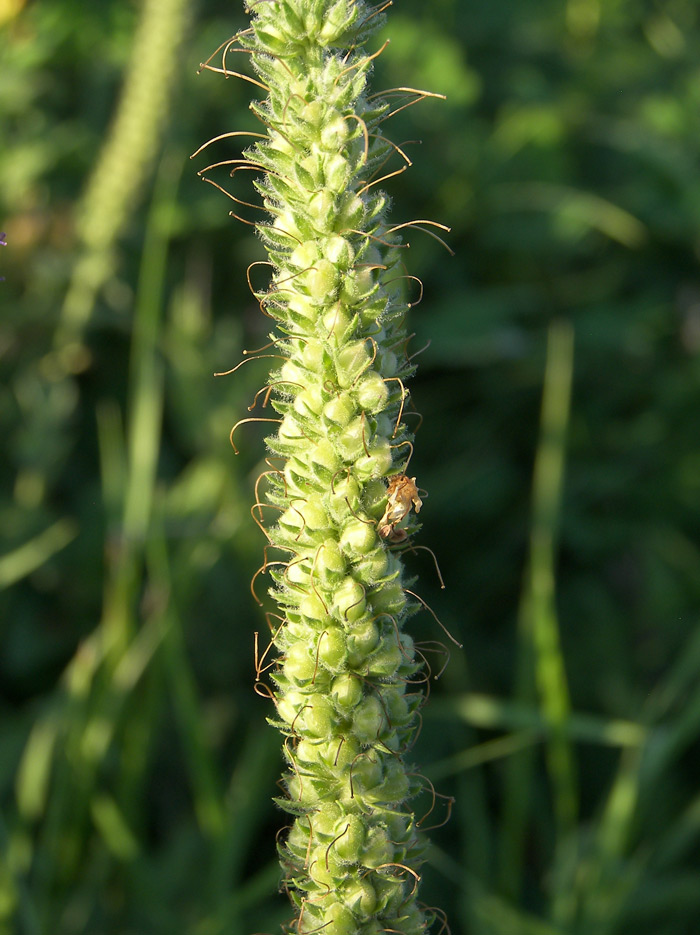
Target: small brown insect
403, 494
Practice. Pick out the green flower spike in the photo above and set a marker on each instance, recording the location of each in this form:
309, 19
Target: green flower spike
348, 681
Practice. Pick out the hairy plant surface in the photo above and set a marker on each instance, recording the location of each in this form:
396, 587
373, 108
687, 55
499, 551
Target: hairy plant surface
347, 681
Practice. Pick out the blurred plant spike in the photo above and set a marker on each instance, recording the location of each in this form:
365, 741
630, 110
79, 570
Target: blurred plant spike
123, 164
3, 243
347, 682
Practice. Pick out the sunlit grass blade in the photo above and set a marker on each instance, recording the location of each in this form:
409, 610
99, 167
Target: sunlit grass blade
539, 642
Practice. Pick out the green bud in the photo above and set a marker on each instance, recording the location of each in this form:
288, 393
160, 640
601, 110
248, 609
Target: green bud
312, 356
314, 512
372, 567
338, 174
305, 255
349, 600
308, 403
360, 641
339, 410
324, 455
379, 849
322, 280
349, 832
351, 361
346, 690
368, 720
389, 598
351, 443
336, 323
376, 464
298, 664
371, 392
366, 776
326, 819
331, 648
357, 538
338, 920
313, 608
338, 251
329, 562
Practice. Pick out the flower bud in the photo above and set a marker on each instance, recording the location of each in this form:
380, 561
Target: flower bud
349, 600
312, 356
357, 538
329, 562
313, 608
298, 664
376, 464
351, 442
313, 511
368, 720
351, 361
338, 920
388, 598
324, 456
322, 211
346, 690
338, 251
339, 410
305, 255
366, 774
350, 833
331, 648
338, 174
352, 211
371, 392
334, 133
322, 280
336, 323
361, 640
308, 403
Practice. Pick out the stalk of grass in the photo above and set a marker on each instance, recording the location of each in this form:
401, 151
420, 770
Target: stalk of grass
124, 162
541, 667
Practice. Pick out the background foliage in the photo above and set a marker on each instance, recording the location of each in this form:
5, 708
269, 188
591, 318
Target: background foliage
135, 770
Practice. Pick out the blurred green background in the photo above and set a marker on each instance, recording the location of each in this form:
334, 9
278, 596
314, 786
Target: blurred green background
560, 449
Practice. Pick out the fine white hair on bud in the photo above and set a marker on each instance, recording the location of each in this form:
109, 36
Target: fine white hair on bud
340, 507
